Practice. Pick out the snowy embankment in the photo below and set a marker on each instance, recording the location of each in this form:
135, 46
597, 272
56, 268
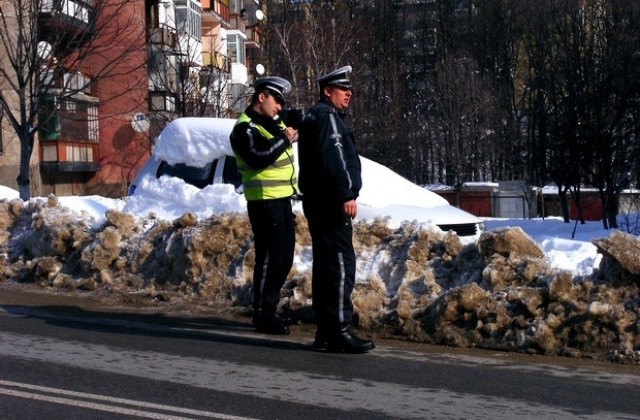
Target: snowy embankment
414, 282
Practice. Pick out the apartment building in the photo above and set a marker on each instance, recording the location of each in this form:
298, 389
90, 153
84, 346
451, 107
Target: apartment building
112, 74
199, 52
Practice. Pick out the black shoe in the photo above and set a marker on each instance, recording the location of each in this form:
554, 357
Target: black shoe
344, 341
270, 324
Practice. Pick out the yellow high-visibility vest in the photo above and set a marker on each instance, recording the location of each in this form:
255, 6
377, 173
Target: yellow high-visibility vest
277, 180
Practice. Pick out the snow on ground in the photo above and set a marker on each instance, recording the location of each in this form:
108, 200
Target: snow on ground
527, 285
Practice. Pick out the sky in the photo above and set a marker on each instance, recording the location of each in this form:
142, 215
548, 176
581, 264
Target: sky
409, 277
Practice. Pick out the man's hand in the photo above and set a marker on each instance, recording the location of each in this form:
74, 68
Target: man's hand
291, 133
350, 209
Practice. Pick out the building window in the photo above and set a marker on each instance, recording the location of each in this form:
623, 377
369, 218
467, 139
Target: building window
189, 19
75, 9
68, 119
92, 122
79, 153
239, 93
49, 152
236, 49
235, 6
77, 82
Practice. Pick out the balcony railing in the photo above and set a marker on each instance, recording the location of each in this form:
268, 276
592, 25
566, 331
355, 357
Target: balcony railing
238, 22
69, 134
164, 35
162, 101
253, 36
72, 119
216, 60
69, 156
73, 17
219, 7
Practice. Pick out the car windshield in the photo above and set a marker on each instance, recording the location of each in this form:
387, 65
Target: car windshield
197, 176
202, 176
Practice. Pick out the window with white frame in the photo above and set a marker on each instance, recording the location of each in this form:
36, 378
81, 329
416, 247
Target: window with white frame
76, 82
76, 9
189, 19
92, 122
236, 48
235, 6
79, 153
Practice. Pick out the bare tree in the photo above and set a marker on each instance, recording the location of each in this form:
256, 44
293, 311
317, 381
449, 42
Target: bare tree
609, 117
582, 107
456, 91
495, 42
62, 50
307, 39
185, 88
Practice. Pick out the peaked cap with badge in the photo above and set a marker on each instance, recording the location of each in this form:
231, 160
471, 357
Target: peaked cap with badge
340, 77
277, 85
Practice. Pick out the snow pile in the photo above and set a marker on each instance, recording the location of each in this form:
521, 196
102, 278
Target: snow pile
194, 141
414, 282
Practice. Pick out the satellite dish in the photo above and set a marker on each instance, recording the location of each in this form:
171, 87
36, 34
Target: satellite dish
44, 50
140, 122
260, 69
259, 14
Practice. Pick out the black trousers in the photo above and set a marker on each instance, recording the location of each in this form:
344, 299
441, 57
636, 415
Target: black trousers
273, 226
334, 261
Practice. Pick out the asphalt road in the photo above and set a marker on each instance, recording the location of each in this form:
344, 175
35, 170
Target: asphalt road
64, 358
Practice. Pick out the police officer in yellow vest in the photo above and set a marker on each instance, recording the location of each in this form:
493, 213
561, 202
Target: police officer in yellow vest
262, 143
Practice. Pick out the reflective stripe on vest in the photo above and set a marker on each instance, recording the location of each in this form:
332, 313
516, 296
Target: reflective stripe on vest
277, 180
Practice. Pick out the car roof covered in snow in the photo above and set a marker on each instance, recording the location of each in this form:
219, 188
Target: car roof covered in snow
195, 141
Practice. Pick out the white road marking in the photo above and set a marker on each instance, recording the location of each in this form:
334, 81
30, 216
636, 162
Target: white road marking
76, 399
328, 391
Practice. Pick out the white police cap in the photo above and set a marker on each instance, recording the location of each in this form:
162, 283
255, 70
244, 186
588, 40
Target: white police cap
277, 85
340, 77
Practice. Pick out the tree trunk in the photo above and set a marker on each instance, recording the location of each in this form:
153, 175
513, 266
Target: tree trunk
605, 210
612, 208
562, 196
24, 183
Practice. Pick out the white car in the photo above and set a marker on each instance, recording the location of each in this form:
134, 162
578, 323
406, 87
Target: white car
192, 164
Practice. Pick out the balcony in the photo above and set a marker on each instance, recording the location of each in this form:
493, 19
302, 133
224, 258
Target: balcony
163, 36
216, 60
162, 101
238, 22
254, 36
68, 19
68, 118
68, 132
219, 9
68, 156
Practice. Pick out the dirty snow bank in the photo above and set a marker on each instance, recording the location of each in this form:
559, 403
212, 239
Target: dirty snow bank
413, 282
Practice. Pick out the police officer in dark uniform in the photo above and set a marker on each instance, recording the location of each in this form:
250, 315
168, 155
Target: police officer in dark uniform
330, 182
262, 145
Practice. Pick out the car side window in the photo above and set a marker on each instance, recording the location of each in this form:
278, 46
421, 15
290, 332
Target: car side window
197, 176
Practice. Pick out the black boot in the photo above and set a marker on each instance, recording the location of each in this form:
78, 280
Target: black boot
270, 324
344, 341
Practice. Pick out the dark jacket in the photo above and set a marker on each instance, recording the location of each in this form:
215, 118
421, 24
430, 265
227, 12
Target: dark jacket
265, 157
257, 151
329, 165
